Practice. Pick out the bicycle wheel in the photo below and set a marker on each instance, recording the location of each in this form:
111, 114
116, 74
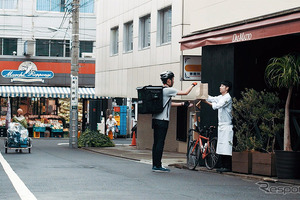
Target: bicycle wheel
212, 158
193, 156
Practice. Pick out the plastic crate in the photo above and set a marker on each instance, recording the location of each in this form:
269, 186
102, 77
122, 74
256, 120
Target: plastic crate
36, 134
56, 130
116, 109
123, 109
39, 129
123, 131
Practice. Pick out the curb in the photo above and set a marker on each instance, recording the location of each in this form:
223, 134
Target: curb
245, 176
109, 154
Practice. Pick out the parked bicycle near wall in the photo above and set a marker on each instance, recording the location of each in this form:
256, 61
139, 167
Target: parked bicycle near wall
197, 150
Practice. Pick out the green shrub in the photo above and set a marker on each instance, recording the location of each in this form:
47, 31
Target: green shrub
257, 119
94, 139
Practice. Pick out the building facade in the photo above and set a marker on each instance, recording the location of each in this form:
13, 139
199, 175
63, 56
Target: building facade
140, 39
136, 41
35, 56
238, 45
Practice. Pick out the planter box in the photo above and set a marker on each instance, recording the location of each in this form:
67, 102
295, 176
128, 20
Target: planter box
242, 162
263, 164
287, 164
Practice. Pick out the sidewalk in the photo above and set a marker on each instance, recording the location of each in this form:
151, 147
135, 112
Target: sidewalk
173, 159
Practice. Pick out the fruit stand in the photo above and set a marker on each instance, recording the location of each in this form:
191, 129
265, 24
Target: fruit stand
56, 129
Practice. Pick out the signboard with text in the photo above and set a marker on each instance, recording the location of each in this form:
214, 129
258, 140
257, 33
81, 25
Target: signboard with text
27, 72
191, 68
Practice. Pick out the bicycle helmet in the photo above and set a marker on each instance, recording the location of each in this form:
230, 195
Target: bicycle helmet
164, 76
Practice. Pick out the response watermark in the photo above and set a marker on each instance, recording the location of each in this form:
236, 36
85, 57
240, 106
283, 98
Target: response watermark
283, 190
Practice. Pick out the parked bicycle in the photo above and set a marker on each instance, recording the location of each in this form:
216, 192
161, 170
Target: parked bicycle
206, 151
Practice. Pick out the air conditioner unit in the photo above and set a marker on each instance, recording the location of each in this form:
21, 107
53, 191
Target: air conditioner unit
29, 47
88, 55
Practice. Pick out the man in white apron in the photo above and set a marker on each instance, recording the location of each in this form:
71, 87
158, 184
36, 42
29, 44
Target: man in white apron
223, 103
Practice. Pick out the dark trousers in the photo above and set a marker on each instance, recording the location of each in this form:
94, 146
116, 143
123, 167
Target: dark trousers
160, 128
225, 161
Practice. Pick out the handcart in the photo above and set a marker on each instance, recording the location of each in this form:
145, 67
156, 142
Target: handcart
17, 138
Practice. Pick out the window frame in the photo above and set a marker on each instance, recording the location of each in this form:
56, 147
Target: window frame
12, 43
86, 6
114, 41
145, 38
128, 37
82, 47
65, 50
51, 6
164, 26
15, 5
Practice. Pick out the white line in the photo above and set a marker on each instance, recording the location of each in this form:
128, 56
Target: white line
59, 144
20, 187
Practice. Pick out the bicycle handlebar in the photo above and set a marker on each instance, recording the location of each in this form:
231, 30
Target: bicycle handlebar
205, 129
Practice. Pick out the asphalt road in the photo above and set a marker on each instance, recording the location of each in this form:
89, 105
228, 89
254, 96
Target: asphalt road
54, 171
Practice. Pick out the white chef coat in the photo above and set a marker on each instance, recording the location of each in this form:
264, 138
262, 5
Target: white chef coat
225, 133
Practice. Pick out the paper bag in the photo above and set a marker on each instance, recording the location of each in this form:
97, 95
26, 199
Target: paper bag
202, 91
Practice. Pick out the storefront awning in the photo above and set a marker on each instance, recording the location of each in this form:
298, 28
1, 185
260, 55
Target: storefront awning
246, 31
54, 92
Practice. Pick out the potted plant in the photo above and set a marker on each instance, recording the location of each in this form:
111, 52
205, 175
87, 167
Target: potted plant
256, 116
244, 132
270, 123
284, 72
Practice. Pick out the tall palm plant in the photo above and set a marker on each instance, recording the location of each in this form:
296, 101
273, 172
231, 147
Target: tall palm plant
284, 72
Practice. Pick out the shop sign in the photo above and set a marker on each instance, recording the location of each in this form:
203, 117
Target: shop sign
241, 37
191, 68
27, 72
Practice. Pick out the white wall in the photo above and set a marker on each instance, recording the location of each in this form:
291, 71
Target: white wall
120, 75
206, 14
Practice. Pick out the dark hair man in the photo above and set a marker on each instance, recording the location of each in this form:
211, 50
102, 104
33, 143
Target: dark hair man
223, 103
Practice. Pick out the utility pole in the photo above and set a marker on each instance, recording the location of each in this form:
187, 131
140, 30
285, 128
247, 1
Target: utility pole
73, 129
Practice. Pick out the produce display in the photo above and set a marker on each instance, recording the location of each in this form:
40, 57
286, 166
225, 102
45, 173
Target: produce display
54, 121
64, 110
56, 124
2, 121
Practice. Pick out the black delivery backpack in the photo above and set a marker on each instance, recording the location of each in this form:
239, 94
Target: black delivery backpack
150, 99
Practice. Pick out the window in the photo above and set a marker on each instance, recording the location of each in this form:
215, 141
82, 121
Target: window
8, 4
8, 46
57, 48
86, 6
164, 25
128, 37
145, 34
114, 45
51, 5
85, 47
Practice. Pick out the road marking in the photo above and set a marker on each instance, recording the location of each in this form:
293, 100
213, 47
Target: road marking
60, 144
20, 187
